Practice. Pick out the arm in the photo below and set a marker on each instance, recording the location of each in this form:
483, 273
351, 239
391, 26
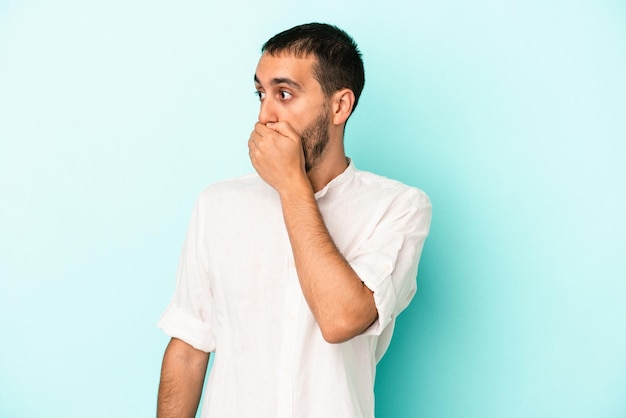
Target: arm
341, 304
182, 377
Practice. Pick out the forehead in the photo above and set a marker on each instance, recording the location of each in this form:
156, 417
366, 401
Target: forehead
285, 66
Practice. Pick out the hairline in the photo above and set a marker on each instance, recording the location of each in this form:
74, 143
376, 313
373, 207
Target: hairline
316, 66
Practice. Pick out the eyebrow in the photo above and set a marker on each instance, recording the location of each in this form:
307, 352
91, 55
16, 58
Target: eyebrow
280, 80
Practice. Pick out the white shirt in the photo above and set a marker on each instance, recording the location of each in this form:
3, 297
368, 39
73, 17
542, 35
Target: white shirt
238, 295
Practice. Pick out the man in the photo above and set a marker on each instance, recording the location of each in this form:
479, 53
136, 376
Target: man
293, 276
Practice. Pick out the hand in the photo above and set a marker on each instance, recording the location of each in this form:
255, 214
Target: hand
276, 153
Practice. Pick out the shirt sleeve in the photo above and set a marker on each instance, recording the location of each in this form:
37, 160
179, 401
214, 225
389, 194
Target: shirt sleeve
387, 262
189, 316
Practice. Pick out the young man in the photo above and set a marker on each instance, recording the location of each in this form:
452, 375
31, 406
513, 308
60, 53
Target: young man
293, 276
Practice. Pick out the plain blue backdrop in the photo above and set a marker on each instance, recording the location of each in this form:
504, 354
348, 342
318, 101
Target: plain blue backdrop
509, 114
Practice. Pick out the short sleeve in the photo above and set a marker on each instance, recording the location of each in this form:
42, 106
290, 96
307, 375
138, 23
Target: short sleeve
387, 262
189, 316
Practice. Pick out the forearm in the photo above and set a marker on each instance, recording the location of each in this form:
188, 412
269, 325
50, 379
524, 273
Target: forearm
182, 377
342, 305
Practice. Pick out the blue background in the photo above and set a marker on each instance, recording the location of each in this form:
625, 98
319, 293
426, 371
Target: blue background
509, 114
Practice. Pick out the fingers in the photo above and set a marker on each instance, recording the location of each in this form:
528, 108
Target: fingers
283, 128
275, 150
273, 132
258, 133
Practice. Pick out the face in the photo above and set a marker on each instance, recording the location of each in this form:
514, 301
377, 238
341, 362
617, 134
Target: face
289, 92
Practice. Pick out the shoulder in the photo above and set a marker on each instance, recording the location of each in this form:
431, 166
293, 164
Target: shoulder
396, 206
390, 190
237, 197
246, 185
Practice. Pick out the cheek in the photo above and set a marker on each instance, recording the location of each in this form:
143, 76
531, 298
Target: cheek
300, 115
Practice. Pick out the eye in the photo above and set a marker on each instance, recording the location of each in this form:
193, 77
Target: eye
285, 95
259, 94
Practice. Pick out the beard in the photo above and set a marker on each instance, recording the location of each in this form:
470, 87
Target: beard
315, 139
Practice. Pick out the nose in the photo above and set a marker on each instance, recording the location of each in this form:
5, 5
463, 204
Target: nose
267, 112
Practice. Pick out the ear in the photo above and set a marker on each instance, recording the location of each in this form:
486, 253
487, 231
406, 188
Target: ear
342, 104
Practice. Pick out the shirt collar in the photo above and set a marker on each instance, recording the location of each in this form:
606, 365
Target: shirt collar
340, 179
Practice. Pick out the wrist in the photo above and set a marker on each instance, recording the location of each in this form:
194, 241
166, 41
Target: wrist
296, 189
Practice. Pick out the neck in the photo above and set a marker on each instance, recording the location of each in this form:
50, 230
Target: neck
332, 164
